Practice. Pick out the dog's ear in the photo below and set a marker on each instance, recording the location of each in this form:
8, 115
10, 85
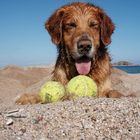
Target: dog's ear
54, 26
107, 28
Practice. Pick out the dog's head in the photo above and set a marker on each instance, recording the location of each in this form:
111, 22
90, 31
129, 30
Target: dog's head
81, 28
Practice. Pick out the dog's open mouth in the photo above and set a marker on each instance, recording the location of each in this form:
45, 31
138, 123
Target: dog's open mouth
83, 65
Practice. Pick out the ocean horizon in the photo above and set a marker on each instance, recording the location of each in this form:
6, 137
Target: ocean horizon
129, 69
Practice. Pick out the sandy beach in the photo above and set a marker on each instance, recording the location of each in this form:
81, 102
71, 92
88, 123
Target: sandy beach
84, 118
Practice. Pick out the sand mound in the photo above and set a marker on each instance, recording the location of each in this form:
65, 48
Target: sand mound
27, 76
126, 83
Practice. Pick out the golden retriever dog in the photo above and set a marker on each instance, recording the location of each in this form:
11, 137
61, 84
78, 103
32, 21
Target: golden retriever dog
81, 32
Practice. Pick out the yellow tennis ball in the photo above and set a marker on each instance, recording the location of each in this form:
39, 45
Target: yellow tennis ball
82, 86
51, 91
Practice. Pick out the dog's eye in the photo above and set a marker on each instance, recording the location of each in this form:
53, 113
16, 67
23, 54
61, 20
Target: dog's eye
93, 24
70, 25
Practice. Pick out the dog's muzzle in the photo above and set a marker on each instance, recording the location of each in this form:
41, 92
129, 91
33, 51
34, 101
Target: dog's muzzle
84, 49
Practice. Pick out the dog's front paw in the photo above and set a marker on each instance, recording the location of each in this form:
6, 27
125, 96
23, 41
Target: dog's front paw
114, 94
110, 94
28, 99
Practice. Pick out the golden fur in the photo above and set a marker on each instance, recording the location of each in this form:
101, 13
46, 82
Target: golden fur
82, 22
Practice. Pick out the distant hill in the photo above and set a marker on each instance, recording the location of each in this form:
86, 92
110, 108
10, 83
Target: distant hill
124, 63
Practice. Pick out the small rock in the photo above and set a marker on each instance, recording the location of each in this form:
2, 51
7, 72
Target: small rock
13, 111
43, 138
9, 121
23, 130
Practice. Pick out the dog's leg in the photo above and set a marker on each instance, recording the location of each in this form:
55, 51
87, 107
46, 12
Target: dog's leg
60, 75
28, 99
104, 90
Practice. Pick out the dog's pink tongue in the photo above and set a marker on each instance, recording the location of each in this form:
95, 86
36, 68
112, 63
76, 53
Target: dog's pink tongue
83, 67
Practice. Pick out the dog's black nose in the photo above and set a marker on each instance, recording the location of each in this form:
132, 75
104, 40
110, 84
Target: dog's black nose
84, 46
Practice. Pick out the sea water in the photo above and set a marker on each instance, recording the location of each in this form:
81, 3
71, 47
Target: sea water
129, 69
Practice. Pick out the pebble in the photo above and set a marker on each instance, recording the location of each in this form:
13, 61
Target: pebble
9, 121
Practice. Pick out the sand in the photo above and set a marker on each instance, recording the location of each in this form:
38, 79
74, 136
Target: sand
82, 119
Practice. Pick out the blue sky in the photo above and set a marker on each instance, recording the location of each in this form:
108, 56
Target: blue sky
24, 40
